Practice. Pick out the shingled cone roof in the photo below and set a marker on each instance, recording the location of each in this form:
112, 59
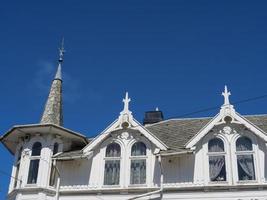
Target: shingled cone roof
53, 109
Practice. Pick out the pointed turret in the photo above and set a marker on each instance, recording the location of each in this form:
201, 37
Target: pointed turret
53, 109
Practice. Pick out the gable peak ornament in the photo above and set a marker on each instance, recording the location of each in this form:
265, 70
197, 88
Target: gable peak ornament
227, 109
126, 102
125, 115
226, 95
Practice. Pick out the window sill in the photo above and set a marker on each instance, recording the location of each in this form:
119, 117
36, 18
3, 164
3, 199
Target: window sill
31, 185
137, 185
51, 187
111, 186
218, 183
247, 182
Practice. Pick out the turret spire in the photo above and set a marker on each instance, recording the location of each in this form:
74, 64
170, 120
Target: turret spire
53, 109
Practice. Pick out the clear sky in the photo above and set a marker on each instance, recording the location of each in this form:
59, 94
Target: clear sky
175, 55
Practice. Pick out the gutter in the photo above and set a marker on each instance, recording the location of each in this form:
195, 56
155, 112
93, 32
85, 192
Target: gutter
88, 156
176, 153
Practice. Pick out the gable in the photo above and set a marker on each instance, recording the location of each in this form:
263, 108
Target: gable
134, 127
222, 118
125, 121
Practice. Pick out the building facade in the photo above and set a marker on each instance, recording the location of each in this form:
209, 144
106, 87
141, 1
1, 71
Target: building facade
221, 157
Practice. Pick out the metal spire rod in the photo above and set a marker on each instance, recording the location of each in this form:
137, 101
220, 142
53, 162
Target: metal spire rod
61, 51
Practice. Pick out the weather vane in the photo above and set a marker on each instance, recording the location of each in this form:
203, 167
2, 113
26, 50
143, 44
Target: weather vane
61, 51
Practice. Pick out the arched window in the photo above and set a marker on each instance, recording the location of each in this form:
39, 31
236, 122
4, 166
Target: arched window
112, 164
245, 163
17, 168
36, 149
138, 163
216, 155
55, 149
34, 163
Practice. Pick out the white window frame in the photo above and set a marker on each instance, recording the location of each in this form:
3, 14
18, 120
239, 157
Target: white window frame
32, 158
103, 159
143, 157
235, 153
231, 158
148, 157
207, 154
28, 152
112, 159
210, 154
125, 160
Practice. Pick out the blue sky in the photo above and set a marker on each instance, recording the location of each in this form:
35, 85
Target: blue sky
175, 55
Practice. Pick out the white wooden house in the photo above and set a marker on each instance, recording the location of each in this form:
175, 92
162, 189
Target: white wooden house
221, 157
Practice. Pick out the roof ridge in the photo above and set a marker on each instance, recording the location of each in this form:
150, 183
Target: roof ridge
177, 119
256, 115
195, 118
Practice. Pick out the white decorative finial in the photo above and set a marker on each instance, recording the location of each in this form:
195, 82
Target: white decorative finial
226, 95
126, 101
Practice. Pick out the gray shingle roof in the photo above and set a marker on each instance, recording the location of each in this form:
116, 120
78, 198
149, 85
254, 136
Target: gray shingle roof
259, 121
53, 109
175, 133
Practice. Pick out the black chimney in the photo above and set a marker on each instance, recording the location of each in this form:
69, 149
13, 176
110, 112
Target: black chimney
152, 117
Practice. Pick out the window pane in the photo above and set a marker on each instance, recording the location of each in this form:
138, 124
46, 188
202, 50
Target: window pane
36, 149
16, 181
243, 144
138, 172
217, 168
33, 171
19, 154
138, 149
216, 145
245, 165
55, 150
113, 150
112, 172
52, 176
